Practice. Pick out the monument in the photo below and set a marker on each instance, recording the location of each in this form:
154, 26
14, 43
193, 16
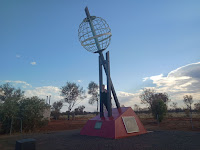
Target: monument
95, 35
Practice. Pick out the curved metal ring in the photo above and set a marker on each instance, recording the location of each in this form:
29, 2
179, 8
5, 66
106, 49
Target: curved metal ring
96, 36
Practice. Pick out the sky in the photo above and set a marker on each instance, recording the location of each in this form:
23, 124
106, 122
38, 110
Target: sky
154, 44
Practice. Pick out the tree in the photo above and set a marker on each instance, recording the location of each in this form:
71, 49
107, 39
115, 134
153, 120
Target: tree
147, 97
8, 91
157, 102
28, 110
159, 109
187, 99
8, 110
93, 90
174, 105
14, 107
162, 96
31, 111
57, 106
197, 106
136, 108
71, 93
1, 92
79, 110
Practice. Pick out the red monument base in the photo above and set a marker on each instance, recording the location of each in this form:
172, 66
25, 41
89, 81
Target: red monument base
123, 123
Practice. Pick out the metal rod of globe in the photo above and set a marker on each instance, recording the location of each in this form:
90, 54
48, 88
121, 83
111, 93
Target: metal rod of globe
100, 85
108, 85
92, 27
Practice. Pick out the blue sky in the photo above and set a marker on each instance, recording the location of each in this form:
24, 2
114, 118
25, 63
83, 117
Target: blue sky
40, 50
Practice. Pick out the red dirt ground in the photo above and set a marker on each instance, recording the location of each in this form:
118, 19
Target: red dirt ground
181, 124
58, 125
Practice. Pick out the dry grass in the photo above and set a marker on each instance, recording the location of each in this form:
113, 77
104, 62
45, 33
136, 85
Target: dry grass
140, 115
169, 115
77, 117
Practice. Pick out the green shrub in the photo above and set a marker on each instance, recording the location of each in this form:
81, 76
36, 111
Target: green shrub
29, 110
159, 109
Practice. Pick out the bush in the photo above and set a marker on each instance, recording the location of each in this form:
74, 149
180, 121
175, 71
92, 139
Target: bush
55, 114
159, 108
30, 110
9, 110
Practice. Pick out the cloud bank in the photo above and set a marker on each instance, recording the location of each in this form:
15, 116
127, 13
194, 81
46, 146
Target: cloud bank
22, 83
182, 81
45, 91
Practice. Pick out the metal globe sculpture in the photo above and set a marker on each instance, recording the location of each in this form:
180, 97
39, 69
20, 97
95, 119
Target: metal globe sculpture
95, 35
97, 39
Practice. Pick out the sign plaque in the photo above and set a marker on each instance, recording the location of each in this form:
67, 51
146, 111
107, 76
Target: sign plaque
130, 124
98, 125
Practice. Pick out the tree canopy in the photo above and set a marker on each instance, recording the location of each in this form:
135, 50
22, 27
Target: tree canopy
156, 102
159, 109
72, 93
31, 110
8, 91
57, 106
79, 110
149, 95
187, 99
197, 106
93, 90
15, 106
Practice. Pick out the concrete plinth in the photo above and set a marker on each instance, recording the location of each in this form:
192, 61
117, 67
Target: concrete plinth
115, 127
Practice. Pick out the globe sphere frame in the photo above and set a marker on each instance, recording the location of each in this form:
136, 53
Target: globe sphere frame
102, 37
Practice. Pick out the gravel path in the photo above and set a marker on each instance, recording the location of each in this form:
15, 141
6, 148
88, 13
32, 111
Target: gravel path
158, 140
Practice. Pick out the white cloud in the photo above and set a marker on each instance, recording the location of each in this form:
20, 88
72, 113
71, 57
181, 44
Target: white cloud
88, 107
186, 70
24, 84
157, 77
43, 92
33, 63
18, 56
145, 79
182, 81
128, 99
79, 81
